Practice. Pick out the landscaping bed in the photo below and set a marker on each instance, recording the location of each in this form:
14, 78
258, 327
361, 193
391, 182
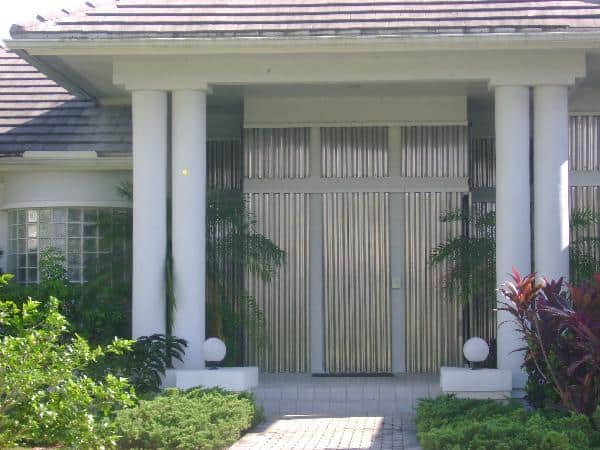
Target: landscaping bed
195, 419
448, 423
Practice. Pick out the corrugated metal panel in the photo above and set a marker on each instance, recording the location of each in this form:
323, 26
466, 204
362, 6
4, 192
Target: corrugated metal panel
433, 325
482, 163
584, 151
482, 318
435, 151
356, 283
584, 142
354, 152
277, 153
224, 165
284, 301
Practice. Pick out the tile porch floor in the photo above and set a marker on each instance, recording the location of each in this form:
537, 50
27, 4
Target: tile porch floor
316, 413
281, 394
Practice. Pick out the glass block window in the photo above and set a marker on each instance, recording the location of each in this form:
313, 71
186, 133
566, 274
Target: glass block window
72, 231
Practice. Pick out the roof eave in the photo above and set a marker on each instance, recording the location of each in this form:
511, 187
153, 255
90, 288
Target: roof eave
47, 45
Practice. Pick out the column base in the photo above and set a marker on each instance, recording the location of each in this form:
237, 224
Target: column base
494, 384
235, 379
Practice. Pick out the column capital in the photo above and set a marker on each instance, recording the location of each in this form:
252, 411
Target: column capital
176, 81
201, 87
563, 80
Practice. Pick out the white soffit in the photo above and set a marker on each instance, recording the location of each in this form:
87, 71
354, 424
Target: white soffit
279, 112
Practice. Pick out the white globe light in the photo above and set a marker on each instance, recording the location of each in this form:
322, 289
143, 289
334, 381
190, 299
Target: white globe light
214, 350
476, 350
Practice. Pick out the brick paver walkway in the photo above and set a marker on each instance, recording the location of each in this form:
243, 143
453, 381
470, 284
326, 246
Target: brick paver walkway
332, 433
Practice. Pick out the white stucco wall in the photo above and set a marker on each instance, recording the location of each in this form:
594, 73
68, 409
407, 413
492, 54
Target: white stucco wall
270, 112
36, 188
62, 188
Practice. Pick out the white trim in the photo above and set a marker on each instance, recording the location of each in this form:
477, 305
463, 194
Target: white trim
583, 113
65, 204
397, 286
584, 178
15, 164
299, 44
508, 68
317, 301
384, 184
333, 124
85, 154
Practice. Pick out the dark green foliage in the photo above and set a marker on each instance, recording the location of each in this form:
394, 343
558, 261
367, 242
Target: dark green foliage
46, 398
196, 419
470, 259
235, 247
98, 310
146, 364
447, 423
585, 245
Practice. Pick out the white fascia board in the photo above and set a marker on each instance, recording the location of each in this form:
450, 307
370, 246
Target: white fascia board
39, 162
60, 155
509, 67
298, 44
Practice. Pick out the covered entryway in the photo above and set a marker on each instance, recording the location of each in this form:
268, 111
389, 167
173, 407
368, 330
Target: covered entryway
356, 208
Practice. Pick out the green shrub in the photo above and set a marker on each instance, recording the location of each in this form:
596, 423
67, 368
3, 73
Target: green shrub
146, 363
196, 419
45, 396
447, 423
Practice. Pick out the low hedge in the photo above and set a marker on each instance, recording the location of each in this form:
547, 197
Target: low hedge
194, 419
448, 423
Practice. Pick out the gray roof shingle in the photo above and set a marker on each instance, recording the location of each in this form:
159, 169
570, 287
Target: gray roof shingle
232, 18
36, 114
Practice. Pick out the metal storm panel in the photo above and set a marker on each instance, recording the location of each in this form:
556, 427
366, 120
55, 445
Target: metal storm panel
277, 153
435, 151
224, 165
584, 142
433, 324
354, 152
356, 266
285, 219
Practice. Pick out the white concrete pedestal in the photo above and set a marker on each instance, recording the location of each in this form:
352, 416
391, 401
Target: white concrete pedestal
236, 379
493, 384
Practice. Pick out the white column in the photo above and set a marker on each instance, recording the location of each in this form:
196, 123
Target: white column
189, 221
551, 181
149, 113
513, 230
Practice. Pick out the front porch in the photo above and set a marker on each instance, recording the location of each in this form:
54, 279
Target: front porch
349, 174
302, 394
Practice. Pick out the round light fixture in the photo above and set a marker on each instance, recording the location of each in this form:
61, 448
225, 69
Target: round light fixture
214, 350
476, 350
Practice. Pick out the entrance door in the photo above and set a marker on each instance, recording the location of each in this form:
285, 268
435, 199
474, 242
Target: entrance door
356, 283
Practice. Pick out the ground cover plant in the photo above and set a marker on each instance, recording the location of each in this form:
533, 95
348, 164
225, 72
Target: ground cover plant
197, 419
448, 423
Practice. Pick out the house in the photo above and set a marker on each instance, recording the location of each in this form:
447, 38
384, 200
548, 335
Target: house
359, 122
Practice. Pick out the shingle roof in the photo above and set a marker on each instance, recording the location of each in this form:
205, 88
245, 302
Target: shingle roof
37, 114
207, 18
